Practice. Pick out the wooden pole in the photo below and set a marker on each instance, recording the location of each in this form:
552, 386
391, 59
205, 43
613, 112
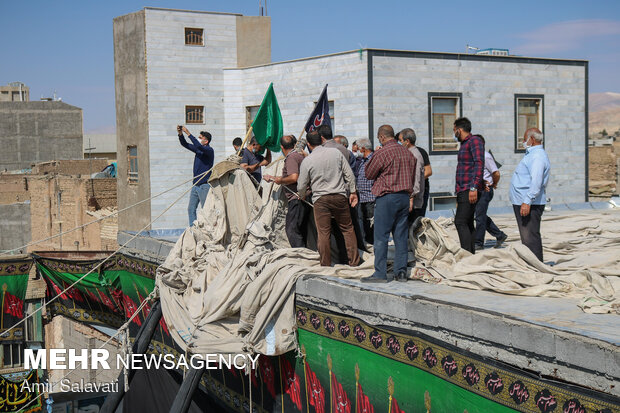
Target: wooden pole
247, 135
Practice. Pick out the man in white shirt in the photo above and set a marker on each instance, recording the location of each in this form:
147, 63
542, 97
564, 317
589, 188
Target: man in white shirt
484, 222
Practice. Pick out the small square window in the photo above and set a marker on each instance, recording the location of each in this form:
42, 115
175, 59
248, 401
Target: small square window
528, 114
194, 36
444, 109
194, 114
132, 162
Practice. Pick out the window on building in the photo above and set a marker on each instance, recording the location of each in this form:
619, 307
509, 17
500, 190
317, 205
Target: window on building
194, 114
132, 162
441, 201
250, 114
12, 355
194, 36
443, 110
33, 322
528, 114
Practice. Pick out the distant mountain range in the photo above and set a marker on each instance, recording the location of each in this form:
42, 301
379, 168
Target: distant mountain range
604, 112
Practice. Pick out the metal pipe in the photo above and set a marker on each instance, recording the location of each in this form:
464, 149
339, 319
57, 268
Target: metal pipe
140, 345
183, 399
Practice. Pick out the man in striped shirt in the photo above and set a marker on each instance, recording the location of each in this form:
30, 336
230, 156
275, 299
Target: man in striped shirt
393, 169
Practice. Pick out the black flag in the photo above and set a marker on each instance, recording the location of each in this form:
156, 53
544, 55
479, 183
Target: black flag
320, 114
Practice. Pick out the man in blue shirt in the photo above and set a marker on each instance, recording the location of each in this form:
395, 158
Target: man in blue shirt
203, 163
527, 190
252, 160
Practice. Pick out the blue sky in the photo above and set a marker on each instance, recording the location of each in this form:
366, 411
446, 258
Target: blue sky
66, 46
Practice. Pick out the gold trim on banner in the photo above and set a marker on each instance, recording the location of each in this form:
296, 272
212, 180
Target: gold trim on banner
119, 262
87, 316
517, 391
20, 267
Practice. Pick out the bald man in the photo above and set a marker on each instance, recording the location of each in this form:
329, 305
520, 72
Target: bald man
527, 190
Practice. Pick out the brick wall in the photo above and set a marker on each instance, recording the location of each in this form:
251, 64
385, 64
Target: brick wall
13, 189
63, 333
62, 203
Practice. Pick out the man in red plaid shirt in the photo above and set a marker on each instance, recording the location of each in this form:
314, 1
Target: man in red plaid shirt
393, 169
469, 182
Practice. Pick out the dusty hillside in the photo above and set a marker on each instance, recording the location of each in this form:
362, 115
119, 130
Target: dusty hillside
603, 170
604, 112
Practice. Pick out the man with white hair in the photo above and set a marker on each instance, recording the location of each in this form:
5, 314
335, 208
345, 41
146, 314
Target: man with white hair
527, 190
364, 189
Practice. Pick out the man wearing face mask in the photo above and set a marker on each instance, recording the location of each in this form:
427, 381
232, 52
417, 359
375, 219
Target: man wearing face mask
203, 163
252, 160
469, 182
527, 190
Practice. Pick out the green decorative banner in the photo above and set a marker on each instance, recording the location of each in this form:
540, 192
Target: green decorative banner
395, 370
108, 296
92, 300
13, 284
14, 395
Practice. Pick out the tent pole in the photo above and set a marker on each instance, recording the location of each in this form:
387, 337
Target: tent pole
140, 345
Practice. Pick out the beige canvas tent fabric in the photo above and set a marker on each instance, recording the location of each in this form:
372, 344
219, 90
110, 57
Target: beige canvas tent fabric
228, 284
584, 248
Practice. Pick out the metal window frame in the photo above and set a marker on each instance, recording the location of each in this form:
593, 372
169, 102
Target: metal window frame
202, 36
132, 176
431, 95
516, 116
444, 195
202, 112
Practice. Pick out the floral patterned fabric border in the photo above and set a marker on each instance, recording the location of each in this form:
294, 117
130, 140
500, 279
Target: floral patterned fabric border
503, 385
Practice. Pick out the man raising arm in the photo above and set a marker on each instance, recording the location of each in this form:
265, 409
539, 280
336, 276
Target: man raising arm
203, 163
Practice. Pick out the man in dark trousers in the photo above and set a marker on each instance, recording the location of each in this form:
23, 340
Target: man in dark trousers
528, 190
484, 222
298, 211
332, 182
325, 132
392, 167
469, 181
203, 162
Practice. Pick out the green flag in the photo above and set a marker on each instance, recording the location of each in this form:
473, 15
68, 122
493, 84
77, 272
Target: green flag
267, 125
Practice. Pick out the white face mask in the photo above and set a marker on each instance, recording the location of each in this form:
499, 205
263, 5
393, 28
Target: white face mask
526, 146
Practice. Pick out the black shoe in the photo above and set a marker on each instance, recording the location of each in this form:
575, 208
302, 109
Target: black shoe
401, 276
478, 247
500, 240
373, 279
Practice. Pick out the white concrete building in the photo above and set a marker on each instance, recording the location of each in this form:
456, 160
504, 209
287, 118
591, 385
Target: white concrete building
218, 84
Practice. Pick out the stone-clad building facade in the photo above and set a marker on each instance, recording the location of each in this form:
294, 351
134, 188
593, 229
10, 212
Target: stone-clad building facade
216, 82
